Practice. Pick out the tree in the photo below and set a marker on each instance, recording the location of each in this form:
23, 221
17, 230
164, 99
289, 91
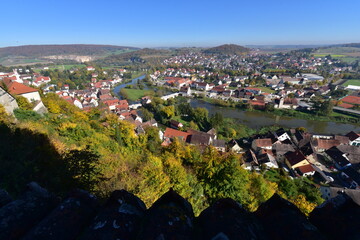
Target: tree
291, 95
147, 115
200, 116
124, 93
193, 125
4, 116
168, 111
322, 107
216, 120
221, 176
184, 109
23, 103
326, 108
269, 107
82, 165
305, 206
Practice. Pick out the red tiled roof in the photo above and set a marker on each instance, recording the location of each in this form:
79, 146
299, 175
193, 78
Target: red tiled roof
306, 168
327, 143
123, 103
255, 89
265, 142
257, 103
18, 88
173, 78
42, 79
172, 133
111, 102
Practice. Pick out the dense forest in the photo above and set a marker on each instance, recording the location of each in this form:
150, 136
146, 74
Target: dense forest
69, 148
145, 56
227, 49
66, 49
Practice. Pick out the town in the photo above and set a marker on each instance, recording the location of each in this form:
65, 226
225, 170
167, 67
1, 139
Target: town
291, 81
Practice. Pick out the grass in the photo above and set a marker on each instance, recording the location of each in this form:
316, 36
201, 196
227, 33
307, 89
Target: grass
348, 60
61, 67
266, 89
179, 119
136, 74
355, 82
135, 94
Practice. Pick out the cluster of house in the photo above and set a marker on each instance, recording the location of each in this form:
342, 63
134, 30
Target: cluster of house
97, 92
233, 88
198, 138
284, 95
255, 60
15, 84
303, 153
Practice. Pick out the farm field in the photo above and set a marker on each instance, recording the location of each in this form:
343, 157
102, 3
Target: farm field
61, 67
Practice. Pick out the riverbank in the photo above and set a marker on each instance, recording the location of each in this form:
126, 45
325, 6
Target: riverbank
118, 87
136, 75
306, 115
257, 119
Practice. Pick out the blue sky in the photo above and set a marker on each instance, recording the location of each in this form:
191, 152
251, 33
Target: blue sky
179, 23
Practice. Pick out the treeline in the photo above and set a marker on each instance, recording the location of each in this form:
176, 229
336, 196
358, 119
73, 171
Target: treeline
227, 49
80, 78
67, 49
143, 57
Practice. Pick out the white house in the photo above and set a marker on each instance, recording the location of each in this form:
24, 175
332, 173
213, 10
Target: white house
41, 80
8, 101
354, 138
29, 93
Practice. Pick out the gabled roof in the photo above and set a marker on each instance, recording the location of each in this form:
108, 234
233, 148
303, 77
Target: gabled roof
18, 88
172, 133
306, 169
352, 135
337, 156
232, 143
219, 143
295, 157
342, 139
326, 143
200, 139
265, 142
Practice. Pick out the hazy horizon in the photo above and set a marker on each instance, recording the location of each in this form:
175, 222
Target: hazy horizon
184, 24
189, 46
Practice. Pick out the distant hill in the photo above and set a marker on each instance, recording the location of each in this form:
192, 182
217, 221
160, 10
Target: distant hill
227, 49
68, 49
142, 56
349, 50
354, 45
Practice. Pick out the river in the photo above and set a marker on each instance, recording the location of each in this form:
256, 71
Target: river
259, 119
133, 82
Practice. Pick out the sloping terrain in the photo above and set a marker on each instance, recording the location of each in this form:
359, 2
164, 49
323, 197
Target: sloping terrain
142, 56
227, 49
43, 53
